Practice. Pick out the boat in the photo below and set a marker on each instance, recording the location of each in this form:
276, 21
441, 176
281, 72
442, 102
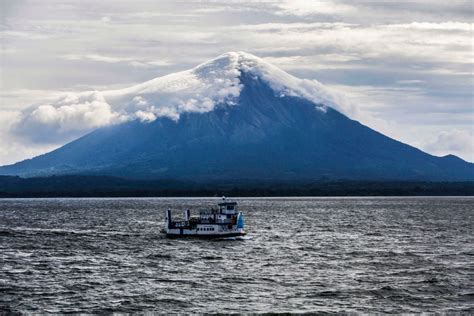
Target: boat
220, 222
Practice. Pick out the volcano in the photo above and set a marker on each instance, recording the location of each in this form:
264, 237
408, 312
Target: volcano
237, 118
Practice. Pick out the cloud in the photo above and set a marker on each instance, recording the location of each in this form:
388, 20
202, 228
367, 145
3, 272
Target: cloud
370, 42
409, 81
454, 141
316, 7
7, 35
443, 26
151, 15
15, 100
13, 148
73, 114
112, 60
69, 116
145, 116
95, 57
320, 61
197, 90
298, 26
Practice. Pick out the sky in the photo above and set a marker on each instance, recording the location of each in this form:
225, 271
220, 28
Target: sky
407, 66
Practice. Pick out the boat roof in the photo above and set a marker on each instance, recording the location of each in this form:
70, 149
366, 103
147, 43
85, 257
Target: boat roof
227, 203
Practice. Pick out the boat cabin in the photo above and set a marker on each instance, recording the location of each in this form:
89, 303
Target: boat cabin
228, 207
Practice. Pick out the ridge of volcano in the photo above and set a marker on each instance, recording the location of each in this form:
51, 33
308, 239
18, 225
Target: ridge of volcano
236, 118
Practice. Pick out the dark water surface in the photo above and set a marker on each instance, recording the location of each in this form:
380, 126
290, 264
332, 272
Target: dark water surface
301, 255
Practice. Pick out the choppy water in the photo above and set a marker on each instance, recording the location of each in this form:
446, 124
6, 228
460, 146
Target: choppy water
301, 255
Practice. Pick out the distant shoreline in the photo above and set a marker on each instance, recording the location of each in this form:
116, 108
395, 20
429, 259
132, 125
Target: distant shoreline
103, 186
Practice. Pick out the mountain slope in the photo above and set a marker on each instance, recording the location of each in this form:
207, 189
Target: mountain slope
259, 124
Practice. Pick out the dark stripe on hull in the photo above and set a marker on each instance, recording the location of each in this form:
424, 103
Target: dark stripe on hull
214, 236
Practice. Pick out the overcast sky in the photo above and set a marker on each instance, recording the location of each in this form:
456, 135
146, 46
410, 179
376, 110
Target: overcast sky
406, 65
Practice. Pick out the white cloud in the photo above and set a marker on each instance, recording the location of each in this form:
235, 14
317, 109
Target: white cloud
133, 61
12, 148
7, 35
8, 118
320, 61
453, 142
197, 90
161, 62
381, 42
95, 57
73, 114
22, 98
443, 26
314, 7
410, 81
145, 116
150, 15
70, 116
294, 26
8, 50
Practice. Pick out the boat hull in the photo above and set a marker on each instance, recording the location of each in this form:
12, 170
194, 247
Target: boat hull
206, 236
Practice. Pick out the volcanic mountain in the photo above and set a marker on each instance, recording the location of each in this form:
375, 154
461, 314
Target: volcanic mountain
237, 118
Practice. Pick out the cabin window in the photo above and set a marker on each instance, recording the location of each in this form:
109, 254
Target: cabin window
230, 207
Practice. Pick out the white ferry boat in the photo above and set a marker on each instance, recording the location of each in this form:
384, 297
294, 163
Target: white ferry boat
225, 221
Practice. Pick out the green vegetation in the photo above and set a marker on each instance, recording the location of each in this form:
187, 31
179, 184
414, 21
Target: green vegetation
101, 186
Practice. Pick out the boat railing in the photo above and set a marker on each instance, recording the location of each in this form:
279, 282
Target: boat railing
216, 221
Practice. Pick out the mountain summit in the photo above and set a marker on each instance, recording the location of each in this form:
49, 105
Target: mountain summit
215, 82
237, 118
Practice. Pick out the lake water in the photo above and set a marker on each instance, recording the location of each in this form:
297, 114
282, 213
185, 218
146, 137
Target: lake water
300, 255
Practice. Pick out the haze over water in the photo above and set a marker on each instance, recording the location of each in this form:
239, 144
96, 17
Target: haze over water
300, 255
